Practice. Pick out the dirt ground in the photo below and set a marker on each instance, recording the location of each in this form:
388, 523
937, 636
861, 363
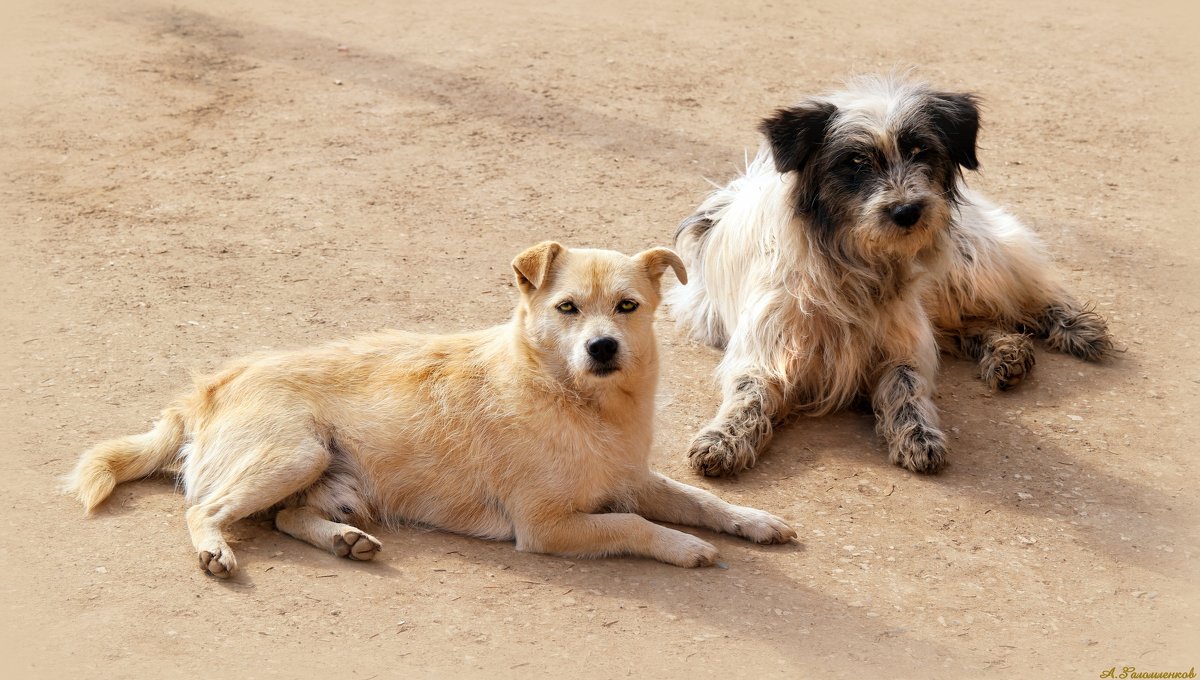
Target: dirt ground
188, 181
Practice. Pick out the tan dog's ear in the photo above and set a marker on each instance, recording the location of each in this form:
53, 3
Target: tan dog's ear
656, 260
533, 265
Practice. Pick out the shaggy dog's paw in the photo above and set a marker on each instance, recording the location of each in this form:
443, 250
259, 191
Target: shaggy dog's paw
1082, 333
1007, 360
760, 527
714, 453
357, 545
921, 450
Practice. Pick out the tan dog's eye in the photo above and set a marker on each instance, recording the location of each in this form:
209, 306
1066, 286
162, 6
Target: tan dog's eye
626, 306
567, 307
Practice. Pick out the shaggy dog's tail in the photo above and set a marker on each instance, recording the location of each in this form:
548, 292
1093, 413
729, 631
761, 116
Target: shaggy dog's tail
109, 463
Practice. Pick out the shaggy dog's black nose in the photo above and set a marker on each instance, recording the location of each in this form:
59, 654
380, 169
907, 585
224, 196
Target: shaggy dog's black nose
906, 215
602, 349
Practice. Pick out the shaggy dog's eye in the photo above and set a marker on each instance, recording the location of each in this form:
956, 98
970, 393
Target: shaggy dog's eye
916, 151
567, 307
626, 306
857, 162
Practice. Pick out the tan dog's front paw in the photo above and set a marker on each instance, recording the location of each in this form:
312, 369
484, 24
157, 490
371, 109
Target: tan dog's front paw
760, 527
685, 550
357, 545
714, 453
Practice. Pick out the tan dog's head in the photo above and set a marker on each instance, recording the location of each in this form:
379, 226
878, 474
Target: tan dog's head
589, 313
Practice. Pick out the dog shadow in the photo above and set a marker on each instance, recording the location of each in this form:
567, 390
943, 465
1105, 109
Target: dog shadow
244, 39
625, 593
1002, 458
752, 581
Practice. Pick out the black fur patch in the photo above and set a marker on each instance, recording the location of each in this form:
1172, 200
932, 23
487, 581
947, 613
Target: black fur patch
906, 378
955, 116
795, 133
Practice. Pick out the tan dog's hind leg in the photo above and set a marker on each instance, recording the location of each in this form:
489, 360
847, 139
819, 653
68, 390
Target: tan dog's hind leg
257, 481
583, 535
666, 500
343, 540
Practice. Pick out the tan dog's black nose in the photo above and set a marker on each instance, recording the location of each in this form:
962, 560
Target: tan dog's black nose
602, 349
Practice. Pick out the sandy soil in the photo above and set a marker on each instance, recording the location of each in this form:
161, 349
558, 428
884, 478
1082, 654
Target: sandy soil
182, 184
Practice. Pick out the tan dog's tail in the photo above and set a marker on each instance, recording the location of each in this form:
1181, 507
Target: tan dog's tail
109, 463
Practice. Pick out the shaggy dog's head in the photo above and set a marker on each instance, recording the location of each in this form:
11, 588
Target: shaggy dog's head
589, 314
877, 165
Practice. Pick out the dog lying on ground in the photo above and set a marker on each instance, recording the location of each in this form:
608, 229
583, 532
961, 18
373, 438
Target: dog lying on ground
848, 251
538, 430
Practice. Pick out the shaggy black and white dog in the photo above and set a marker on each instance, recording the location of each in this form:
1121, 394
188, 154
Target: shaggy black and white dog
848, 252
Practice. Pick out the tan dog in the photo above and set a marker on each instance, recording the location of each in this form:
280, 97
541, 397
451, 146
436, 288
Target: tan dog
538, 430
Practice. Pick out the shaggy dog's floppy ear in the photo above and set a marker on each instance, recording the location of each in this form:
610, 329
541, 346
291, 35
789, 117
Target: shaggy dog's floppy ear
656, 261
795, 133
533, 266
956, 118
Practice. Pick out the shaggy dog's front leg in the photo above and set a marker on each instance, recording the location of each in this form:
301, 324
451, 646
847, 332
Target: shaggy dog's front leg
741, 429
907, 419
